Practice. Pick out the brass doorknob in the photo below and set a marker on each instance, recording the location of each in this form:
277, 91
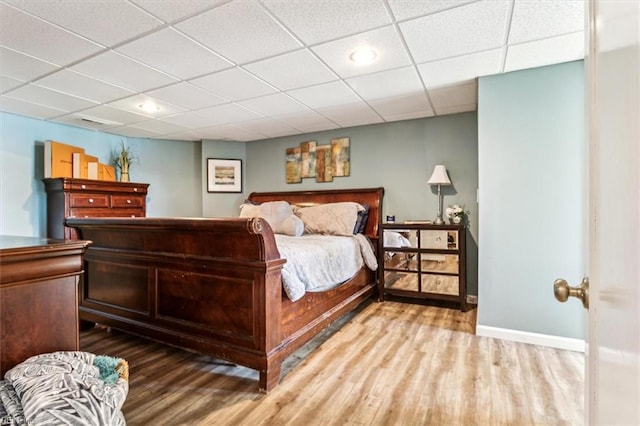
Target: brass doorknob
562, 290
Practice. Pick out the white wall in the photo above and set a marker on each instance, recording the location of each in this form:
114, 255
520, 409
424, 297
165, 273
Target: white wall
531, 155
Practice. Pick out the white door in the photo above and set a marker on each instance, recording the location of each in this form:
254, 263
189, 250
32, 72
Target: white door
613, 79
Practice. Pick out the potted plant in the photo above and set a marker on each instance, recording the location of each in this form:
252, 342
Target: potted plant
122, 159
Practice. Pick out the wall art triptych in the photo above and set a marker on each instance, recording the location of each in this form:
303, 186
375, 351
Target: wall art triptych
322, 162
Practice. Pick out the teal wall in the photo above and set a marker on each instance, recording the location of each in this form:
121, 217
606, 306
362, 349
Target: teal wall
168, 166
398, 156
532, 158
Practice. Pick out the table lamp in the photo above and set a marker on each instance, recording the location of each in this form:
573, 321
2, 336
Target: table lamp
439, 177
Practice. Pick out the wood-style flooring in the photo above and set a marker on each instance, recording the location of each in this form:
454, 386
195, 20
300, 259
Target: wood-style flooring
389, 363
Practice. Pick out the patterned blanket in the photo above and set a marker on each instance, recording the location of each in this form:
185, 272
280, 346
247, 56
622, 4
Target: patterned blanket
65, 388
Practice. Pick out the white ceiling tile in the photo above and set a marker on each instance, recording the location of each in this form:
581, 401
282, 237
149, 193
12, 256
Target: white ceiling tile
398, 82
187, 135
112, 115
187, 96
325, 95
190, 120
240, 31
230, 132
349, 115
131, 132
292, 70
534, 20
268, 127
461, 68
7, 83
105, 22
455, 109
307, 121
406, 9
44, 41
553, 50
409, 115
465, 29
82, 86
275, 104
385, 41
133, 104
172, 10
234, 84
390, 107
51, 98
188, 59
16, 106
228, 113
117, 69
157, 126
22, 67
450, 96
318, 21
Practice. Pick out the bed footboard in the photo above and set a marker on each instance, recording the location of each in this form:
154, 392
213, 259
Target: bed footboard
208, 285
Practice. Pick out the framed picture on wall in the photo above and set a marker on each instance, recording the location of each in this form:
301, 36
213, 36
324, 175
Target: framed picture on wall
224, 175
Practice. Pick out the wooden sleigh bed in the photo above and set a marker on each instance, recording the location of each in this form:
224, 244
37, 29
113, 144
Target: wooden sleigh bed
213, 285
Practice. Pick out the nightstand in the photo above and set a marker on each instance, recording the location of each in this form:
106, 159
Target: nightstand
423, 261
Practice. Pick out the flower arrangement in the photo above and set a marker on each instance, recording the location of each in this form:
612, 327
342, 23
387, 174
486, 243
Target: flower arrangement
455, 213
123, 159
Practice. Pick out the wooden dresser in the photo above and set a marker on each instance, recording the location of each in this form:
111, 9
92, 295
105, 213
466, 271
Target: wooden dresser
68, 197
38, 297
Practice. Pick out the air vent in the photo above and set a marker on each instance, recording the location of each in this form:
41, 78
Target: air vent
92, 121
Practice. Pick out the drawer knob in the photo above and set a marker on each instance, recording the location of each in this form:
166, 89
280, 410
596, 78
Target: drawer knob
83, 186
133, 215
91, 200
128, 201
135, 189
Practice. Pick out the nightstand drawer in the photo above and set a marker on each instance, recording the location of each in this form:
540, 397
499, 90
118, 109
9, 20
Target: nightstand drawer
126, 201
89, 200
440, 284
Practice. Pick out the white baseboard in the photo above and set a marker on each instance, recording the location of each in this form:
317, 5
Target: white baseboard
568, 343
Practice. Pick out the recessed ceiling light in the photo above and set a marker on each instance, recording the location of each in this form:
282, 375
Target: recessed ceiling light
149, 107
363, 56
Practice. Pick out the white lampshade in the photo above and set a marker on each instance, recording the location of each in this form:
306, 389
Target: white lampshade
439, 176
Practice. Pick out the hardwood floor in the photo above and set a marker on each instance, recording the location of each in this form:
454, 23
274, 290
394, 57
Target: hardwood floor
389, 364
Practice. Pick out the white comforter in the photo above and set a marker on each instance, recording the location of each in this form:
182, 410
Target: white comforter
320, 262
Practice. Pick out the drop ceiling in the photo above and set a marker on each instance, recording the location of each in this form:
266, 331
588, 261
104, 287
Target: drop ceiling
247, 70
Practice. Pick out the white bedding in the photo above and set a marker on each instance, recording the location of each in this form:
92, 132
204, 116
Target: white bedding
321, 262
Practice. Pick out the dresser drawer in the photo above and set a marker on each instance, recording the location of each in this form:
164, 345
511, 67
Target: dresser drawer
441, 284
121, 201
133, 212
88, 200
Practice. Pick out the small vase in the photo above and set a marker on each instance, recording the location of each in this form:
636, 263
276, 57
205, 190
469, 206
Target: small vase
457, 219
124, 177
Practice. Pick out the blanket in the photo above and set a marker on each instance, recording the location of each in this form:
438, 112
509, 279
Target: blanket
320, 262
65, 388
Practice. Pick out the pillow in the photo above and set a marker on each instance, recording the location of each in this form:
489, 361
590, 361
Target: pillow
361, 221
293, 226
278, 214
332, 218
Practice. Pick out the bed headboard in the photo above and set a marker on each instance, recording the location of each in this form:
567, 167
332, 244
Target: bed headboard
371, 196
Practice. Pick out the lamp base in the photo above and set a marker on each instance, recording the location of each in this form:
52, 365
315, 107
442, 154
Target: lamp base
438, 221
